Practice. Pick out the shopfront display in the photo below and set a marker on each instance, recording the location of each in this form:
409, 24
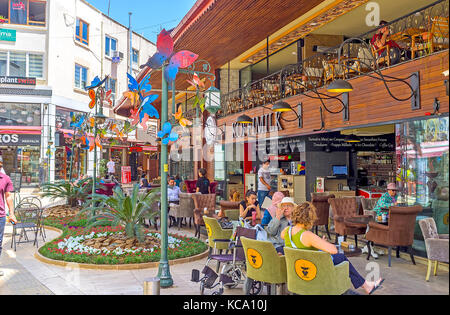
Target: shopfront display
423, 170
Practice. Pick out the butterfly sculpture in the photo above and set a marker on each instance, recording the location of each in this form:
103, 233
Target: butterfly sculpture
166, 134
93, 98
181, 59
96, 83
76, 122
181, 120
196, 82
143, 108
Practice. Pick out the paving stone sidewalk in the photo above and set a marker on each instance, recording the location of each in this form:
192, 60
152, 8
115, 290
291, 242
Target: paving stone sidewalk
17, 280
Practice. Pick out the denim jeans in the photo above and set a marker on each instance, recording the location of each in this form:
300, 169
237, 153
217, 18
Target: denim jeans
2, 230
356, 279
262, 194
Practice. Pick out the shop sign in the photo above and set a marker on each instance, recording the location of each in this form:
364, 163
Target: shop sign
17, 80
260, 126
7, 35
19, 140
336, 142
136, 149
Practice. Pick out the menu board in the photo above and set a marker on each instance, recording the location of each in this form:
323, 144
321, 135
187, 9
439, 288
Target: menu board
16, 179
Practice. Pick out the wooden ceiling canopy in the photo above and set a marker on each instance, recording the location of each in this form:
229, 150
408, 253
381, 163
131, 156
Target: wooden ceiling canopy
324, 16
228, 28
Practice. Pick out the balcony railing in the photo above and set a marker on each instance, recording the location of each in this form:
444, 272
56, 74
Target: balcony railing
418, 34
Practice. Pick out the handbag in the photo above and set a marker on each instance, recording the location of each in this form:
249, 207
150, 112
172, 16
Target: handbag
225, 223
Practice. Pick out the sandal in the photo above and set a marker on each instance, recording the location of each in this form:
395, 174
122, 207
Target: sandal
376, 287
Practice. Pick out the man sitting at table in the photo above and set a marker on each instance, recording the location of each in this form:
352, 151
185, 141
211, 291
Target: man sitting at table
278, 223
387, 199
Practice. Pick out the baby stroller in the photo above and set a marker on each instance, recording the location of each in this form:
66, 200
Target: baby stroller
233, 271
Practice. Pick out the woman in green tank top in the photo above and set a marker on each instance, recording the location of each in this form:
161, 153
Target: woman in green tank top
298, 236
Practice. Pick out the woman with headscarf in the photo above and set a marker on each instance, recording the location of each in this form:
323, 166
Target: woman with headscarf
271, 211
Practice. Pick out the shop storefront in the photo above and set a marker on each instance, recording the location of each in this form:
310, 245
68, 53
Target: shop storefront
21, 154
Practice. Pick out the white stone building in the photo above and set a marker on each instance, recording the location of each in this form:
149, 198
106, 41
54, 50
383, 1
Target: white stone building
49, 51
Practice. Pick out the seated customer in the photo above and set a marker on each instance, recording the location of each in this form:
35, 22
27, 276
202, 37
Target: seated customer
299, 236
279, 222
271, 211
381, 39
387, 199
144, 182
202, 182
249, 205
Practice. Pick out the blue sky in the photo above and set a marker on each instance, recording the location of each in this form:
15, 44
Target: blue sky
149, 16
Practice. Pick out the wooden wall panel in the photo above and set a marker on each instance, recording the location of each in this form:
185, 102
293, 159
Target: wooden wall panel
369, 101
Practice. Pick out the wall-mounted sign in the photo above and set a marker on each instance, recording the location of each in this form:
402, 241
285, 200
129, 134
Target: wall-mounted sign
7, 35
17, 80
260, 126
19, 140
283, 145
336, 142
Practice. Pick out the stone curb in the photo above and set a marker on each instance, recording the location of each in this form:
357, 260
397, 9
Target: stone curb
149, 265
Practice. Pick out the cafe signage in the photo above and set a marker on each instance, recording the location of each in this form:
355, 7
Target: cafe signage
260, 126
17, 80
283, 145
336, 142
7, 35
19, 139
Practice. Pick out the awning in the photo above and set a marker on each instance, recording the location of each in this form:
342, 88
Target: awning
22, 130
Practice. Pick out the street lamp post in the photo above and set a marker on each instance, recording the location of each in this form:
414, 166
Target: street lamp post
99, 118
164, 270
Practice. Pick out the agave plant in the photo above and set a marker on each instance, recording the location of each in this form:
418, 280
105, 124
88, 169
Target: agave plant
71, 191
127, 211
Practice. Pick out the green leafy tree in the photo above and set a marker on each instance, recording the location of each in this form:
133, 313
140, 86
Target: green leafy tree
127, 211
72, 192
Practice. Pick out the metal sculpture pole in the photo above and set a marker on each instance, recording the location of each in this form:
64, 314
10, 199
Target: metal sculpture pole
164, 271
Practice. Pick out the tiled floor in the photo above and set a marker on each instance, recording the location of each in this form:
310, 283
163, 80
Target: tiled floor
26, 275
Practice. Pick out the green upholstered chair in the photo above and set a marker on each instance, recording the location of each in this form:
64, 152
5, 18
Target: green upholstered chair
232, 214
215, 232
263, 263
312, 272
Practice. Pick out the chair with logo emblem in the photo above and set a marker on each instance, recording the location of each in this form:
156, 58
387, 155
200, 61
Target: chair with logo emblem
233, 271
264, 265
312, 272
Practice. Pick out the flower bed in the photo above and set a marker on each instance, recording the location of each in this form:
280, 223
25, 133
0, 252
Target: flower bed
108, 245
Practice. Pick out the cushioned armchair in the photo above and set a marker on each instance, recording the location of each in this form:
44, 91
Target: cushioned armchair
200, 203
215, 232
323, 210
344, 208
436, 245
263, 262
191, 186
184, 210
312, 272
227, 205
368, 204
399, 232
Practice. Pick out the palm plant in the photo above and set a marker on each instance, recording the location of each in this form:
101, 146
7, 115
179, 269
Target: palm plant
72, 192
127, 211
